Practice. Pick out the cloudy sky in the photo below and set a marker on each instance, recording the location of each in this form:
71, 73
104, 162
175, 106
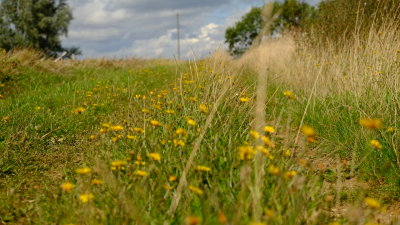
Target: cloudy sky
147, 28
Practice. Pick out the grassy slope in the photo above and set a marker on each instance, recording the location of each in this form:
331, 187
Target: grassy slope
41, 148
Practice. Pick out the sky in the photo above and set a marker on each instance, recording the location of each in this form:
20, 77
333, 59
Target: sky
147, 28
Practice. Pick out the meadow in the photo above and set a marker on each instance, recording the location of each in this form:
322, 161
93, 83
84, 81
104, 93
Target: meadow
290, 133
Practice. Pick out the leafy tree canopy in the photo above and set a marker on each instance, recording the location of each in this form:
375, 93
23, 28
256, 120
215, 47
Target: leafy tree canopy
35, 24
290, 14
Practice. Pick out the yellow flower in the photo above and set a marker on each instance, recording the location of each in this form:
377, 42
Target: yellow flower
116, 138
192, 220
390, 129
196, 190
167, 187
288, 94
155, 123
119, 164
287, 153
116, 128
131, 137
37, 107
79, 110
146, 111
246, 152
254, 134
273, 170
180, 131
106, 125
83, 170
141, 173
191, 122
178, 142
169, 111
267, 142
92, 137
97, 182
311, 139
203, 108
290, 174
172, 178
67, 186
372, 203
265, 151
269, 129
244, 99
86, 197
257, 223
155, 156
203, 168
308, 131
139, 130
376, 144
372, 124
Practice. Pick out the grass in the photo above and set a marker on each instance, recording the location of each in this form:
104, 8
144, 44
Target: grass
155, 142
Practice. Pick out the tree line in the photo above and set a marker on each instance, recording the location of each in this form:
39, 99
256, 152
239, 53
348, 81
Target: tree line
36, 24
331, 21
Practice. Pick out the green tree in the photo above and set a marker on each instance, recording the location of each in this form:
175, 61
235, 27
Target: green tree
35, 24
241, 35
272, 19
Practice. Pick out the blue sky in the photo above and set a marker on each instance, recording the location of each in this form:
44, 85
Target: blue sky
147, 28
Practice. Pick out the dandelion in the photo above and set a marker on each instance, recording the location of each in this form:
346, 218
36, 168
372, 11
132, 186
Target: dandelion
273, 170
290, 174
116, 138
178, 142
131, 137
390, 129
180, 131
170, 111
146, 111
86, 197
244, 99
38, 108
246, 152
203, 108
308, 131
269, 129
116, 128
141, 173
155, 123
97, 182
375, 144
106, 125
191, 122
92, 137
267, 141
83, 170
288, 94
193, 220
372, 203
139, 130
254, 134
222, 218
119, 164
172, 178
372, 124
67, 186
203, 168
155, 156
196, 190
287, 153
78, 110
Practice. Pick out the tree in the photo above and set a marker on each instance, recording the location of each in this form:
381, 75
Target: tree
37, 24
241, 35
271, 19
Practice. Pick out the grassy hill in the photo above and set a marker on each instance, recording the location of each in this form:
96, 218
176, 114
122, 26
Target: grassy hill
287, 134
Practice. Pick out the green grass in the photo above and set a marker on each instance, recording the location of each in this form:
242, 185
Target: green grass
42, 148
